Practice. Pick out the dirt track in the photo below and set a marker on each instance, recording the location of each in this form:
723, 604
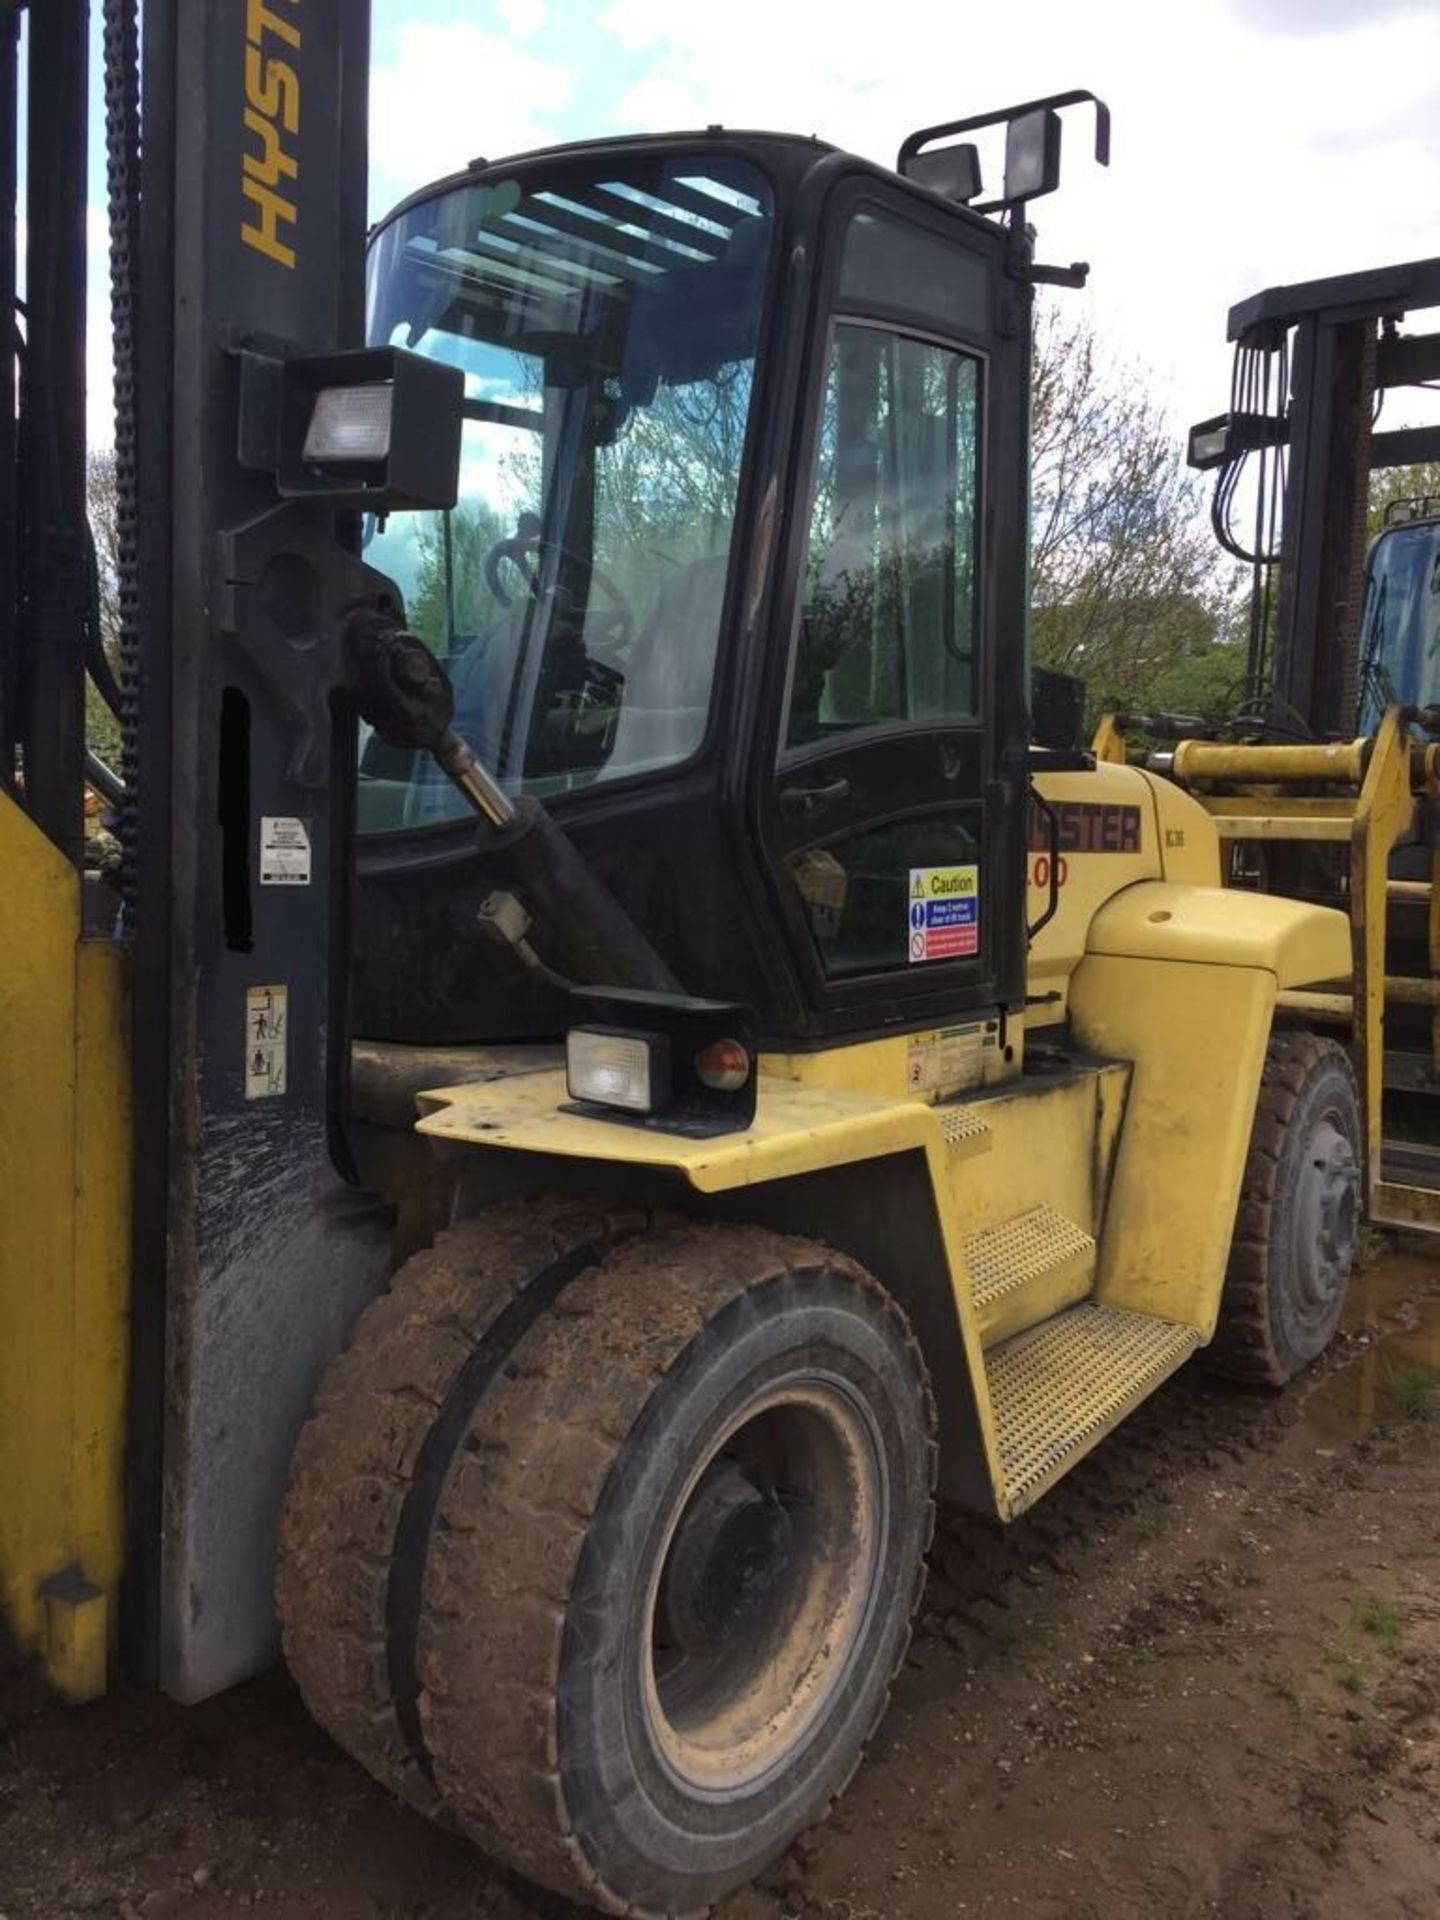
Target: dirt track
1202, 1679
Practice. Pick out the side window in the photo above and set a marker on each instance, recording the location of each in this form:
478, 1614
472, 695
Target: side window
888, 622
896, 895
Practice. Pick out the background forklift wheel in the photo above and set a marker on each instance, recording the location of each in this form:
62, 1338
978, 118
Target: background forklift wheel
675, 1567
1299, 1218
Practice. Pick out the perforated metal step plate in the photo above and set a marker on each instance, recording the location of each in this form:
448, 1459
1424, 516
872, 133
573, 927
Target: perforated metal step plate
965, 1128
1026, 1269
1059, 1388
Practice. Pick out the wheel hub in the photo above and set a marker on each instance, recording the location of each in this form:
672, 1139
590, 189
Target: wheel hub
764, 1586
728, 1562
1329, 1211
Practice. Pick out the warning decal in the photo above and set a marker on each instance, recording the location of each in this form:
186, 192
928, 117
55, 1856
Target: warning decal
284, 852
265, 1021
944, 912
944, 1061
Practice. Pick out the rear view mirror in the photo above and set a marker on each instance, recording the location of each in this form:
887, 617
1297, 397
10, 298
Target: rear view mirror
1032, 155
1057, 710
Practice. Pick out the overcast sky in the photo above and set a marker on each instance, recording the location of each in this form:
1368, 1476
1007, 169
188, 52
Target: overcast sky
1255, 141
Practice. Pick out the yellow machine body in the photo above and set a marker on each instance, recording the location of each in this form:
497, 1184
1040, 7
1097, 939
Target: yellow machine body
64, 1262
1082, 1256
1366, 798
1077, 1258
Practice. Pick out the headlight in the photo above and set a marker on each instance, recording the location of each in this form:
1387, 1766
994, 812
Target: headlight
350, 424
609, 1067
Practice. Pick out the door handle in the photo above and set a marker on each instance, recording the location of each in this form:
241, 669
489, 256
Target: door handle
803, 803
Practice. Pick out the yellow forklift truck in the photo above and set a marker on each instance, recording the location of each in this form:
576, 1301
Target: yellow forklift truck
639, 1087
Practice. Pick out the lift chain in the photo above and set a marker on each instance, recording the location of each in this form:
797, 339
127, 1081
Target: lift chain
122, 169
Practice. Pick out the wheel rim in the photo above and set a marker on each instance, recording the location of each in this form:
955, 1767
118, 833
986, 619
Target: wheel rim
763, 1586
1328, 1209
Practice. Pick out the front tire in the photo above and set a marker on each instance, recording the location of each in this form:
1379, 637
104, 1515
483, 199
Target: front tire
368, 1464
675, 1567
1299, 1219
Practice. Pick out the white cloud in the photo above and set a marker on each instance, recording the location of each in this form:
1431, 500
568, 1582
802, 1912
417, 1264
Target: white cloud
1307, 17
1247, 152
439, 88
523, 18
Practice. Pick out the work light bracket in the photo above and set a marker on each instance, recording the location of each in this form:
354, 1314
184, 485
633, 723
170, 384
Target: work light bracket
376, 428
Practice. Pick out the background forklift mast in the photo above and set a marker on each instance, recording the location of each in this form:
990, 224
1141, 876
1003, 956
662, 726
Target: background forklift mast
1314, 366
1324, 783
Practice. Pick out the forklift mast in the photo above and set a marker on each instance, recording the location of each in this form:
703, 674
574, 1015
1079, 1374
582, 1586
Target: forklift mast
252, 223
1314, 364
238, 236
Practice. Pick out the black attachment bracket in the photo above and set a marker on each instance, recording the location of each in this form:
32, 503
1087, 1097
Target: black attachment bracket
1075, 275
1052, 823
286, 584
1032, 151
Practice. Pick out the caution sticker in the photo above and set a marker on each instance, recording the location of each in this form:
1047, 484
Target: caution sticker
265, 1042
944, 912
284, 851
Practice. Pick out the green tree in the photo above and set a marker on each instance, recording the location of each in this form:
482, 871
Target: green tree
1129, 590
1389, 484
668, 479
454, 599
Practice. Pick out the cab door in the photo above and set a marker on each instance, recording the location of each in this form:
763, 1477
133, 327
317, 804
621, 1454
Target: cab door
893, 812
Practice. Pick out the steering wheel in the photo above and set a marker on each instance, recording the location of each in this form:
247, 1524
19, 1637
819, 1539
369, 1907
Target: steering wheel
611, 626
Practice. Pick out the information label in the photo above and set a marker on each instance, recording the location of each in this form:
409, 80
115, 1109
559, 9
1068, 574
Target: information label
944, 913
284, 852
947, 1060
265, 1024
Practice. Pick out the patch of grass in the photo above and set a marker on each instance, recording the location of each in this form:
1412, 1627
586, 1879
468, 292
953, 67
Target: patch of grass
1380, 1619
1349, 1673
1414, 1388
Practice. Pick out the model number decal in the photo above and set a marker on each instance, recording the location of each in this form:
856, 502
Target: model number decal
1086, 826
1040, 871
271, 170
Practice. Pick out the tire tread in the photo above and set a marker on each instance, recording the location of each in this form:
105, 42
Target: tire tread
354, 1463
581, 1381
1244, 1346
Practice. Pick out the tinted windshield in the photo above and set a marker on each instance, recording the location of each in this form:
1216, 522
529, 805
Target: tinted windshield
606, 324
1400, 643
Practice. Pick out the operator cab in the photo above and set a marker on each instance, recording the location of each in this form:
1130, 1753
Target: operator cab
735, 583
1400, 630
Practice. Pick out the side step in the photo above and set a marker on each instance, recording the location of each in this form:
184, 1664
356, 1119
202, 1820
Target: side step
1026, 1269
1058, 1389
